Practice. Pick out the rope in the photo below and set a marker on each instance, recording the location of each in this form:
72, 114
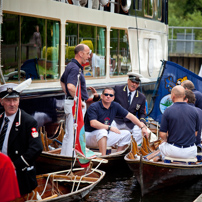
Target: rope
74, 183
93, 170
45, 185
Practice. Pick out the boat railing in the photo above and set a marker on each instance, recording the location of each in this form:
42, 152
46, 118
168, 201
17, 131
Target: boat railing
185, 40
92, 4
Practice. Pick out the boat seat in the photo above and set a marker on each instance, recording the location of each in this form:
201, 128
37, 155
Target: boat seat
199, 156
187, 161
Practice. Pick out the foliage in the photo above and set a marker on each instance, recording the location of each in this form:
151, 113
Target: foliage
88, 43
188, 13
71, 52
52, 53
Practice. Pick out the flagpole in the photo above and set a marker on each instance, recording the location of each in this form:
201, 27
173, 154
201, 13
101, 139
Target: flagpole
75, 116
151, 105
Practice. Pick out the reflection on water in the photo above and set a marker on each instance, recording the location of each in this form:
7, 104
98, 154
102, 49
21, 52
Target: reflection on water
123, 187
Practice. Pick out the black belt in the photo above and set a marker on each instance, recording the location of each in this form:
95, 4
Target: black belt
71, 98
180, 146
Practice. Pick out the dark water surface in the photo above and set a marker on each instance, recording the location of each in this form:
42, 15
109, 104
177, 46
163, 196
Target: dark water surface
119, 186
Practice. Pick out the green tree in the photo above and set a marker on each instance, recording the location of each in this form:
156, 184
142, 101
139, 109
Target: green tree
185, 13
192, 6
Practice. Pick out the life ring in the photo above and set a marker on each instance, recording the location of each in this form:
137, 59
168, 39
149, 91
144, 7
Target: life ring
125, 5
104, 2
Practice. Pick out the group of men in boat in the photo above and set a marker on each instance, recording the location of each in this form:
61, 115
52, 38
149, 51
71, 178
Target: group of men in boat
107, 123
111, 120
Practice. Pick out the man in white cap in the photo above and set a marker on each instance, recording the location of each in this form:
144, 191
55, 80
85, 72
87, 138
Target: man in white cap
134, 101
19, 138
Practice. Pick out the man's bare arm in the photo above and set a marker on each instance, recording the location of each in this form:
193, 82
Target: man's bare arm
137, 122
71, 89
163, 136
98, 125
63, 87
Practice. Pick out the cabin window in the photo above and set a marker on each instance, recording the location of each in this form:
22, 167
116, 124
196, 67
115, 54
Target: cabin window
119, 53
30, 48
92, 36
159, 8
148, 8
138, 5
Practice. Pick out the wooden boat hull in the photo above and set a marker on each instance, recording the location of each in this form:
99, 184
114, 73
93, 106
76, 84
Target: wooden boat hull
156, 175
50, 162
62, 190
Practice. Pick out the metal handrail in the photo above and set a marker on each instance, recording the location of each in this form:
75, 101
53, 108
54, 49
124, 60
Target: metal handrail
190, 45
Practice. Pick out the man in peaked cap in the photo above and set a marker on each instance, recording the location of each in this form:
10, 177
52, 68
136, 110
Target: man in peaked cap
19, 138
134, 101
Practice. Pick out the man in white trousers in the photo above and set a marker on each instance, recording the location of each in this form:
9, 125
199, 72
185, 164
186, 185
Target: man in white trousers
98, 119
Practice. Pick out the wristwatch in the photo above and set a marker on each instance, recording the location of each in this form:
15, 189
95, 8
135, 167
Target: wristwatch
142, 127
109, 127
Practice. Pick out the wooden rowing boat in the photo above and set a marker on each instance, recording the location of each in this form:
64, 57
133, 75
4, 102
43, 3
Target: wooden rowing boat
52, 160
66, 185
153, 176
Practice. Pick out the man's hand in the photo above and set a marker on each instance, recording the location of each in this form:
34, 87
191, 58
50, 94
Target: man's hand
94, 92
145, 132
114, 129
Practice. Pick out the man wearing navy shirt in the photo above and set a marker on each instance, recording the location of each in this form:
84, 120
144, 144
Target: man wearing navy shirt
179, 127
98, 119
187, 84
68, 82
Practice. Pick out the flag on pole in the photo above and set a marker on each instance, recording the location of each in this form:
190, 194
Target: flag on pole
80, 140
172, 75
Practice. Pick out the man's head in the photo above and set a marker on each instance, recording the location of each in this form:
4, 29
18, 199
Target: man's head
177, 94
108, 95
189, 97
9, 98
133, 81
187, 84
82, 53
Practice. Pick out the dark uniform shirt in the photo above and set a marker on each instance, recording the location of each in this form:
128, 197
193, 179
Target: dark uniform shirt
70, 75
198, 96
24, 146
181, 121
198, 137
98, 112
137, 106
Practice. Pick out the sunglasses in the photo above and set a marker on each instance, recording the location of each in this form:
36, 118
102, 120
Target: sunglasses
106, 94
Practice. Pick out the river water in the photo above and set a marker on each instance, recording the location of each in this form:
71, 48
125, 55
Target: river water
120, 186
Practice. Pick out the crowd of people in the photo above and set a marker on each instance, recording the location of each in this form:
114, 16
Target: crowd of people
116, 115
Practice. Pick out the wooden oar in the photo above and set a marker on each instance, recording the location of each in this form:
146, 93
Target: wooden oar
153, 154
50, 197
77, 178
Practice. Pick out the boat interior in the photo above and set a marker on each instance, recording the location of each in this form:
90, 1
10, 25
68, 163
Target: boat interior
149, 151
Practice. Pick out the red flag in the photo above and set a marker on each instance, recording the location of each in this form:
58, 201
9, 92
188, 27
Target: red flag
80, 140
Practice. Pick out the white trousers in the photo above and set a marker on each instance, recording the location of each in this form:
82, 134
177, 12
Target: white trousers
136, 131
172, 151
113, 139
67, 143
